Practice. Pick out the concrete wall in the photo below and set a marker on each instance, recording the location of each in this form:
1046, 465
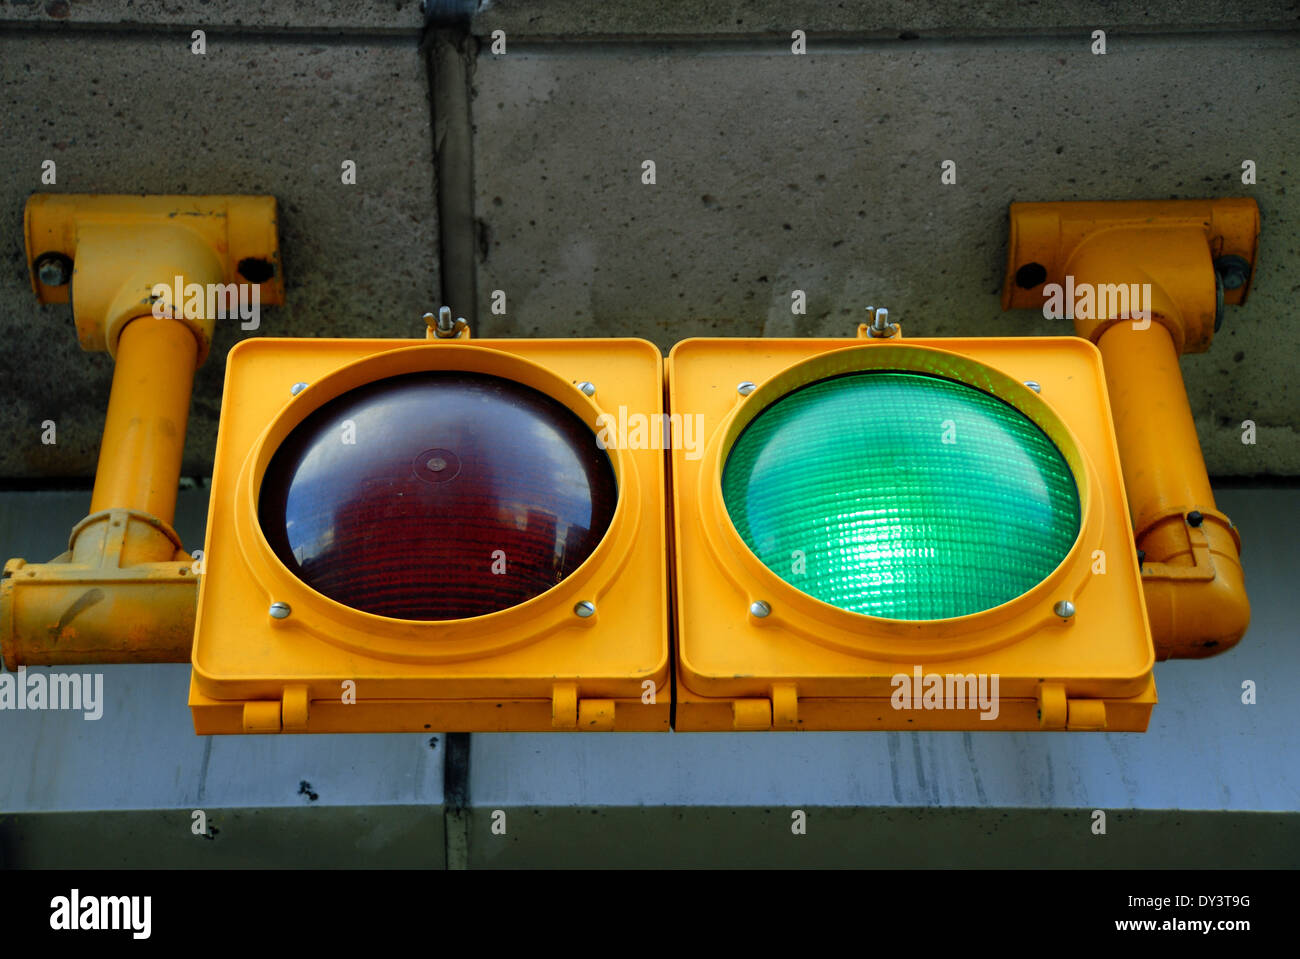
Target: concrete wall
774, 172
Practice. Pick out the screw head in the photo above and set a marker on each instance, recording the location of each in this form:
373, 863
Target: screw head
279, 611
1194, 518
759, 609
297, 388
745, 387
584, 609
1233, 270
588, 389
53, 269
1064, 609
1034, 385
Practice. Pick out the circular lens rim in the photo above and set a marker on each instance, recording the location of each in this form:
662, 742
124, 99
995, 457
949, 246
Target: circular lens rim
915, 381
862, 633
273, 525
448, 640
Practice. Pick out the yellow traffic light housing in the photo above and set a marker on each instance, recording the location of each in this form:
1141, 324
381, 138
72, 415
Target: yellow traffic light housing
758, 650
317, 612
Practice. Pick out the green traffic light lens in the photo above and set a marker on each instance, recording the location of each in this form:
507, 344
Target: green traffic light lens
901, 495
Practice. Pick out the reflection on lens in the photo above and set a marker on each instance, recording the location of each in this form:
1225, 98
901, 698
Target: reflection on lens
437, 495
901, 495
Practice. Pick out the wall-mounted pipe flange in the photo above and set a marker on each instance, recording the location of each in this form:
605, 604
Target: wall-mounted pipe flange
109, 254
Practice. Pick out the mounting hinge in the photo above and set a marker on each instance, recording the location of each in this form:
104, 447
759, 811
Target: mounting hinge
587, 715
1057, 711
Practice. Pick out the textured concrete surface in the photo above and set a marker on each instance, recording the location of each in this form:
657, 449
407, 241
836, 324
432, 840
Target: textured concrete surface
380, 15
139, 113
897, 799
539, 18
821, 173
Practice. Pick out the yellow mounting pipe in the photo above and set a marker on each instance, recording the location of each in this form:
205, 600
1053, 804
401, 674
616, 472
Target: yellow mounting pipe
1161, 256
144, 432
126, 591
1192, 577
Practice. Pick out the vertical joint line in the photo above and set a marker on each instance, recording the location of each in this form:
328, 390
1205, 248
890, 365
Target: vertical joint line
451, 52
455, 792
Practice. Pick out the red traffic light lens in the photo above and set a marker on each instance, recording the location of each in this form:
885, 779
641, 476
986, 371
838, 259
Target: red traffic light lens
437, 495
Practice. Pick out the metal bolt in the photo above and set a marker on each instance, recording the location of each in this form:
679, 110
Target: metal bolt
585, 609
1064, 609
297, 388
444, 327
588, 389
759, 609
437, 464
1234, 270
279, 610
1194, 518
745, 387
1034, 385
53, 269
881, 328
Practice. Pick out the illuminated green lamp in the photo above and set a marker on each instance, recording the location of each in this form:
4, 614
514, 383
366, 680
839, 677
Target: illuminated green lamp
900, 495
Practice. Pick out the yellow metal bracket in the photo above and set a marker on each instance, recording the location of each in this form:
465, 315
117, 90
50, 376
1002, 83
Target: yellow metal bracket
1176, 247
1182, 260
126, 591
116, 250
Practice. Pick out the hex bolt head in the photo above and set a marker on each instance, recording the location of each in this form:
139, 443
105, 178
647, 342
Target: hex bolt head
584, 609
745, 387
1034, 385
1194, 518
297, 388
1064, 609
53, 269
1233, 270
759, 609
588, 389
279, 610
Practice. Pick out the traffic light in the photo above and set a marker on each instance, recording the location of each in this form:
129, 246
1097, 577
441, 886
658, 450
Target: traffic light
472, 535
903, 534
452, 534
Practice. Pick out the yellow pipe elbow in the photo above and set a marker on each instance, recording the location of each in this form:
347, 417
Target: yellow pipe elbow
1193, 618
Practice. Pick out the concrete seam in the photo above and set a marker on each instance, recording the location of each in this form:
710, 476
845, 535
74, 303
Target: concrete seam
451, 56
850, 43
455, 799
